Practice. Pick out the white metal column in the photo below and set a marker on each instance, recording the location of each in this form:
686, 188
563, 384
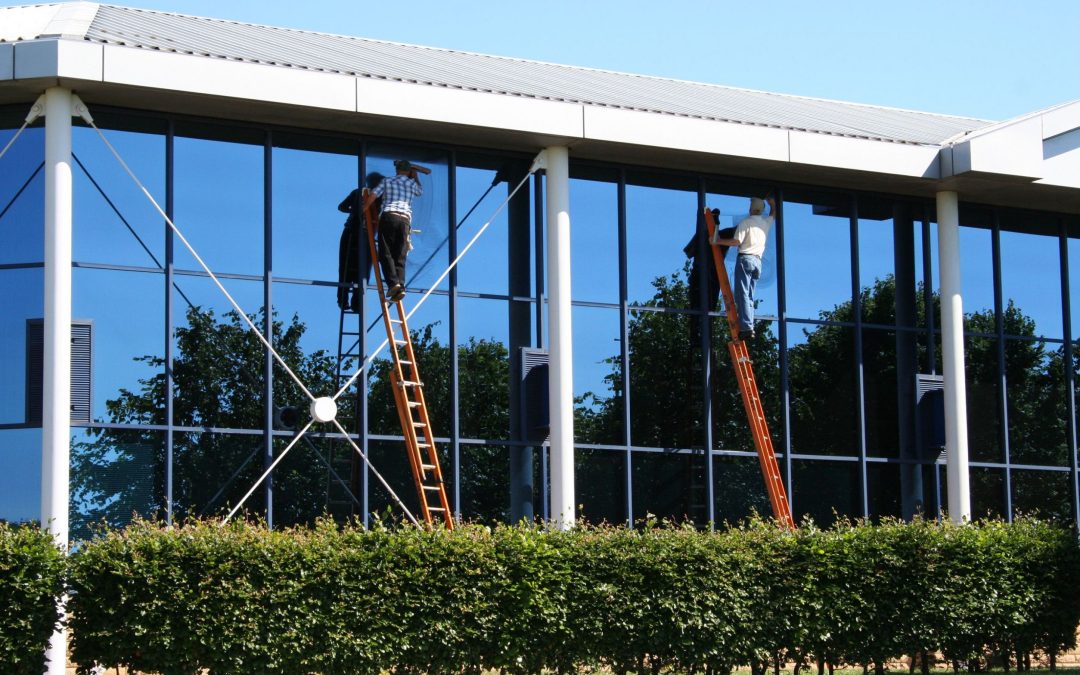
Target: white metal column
560, 337
56, 390
952, 357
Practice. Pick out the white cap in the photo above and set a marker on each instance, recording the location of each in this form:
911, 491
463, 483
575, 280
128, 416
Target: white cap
757, 205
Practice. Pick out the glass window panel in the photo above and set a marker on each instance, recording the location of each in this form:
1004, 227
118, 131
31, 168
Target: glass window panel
738, 489
128, 314
485, 482
430, 213
597, 376
431, 343
877, 266
983, 385
24, 292
20, 475
225, 226
211, 473
1046, 494
390, 460
600, 480
481, 188
218, 363
665, 383
733, 209
880, 368
594, 241
823, 395
1035, 387
659, 221
731, 430
116, 475
304, 487
824, 490
987, 492
22, 198
308, 186
672, 485
977, 272
114, 222
1031, 280
483, 369
883, 486
817, 256
310, 325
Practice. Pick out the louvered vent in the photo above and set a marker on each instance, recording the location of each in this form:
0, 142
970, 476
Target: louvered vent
930, 415
82, 361
535, 418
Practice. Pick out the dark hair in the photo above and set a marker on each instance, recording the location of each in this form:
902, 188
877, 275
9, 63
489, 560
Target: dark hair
372, 180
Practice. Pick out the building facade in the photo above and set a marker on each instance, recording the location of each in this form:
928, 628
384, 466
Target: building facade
914, 345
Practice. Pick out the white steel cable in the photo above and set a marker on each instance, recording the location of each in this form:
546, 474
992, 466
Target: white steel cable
206, 268
269, 469
431, 289
13, 139
378, 475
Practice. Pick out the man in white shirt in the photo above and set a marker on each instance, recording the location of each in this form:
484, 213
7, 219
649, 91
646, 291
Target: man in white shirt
750, 236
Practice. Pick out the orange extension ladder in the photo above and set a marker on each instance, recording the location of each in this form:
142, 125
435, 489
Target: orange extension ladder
409, 396
744, 373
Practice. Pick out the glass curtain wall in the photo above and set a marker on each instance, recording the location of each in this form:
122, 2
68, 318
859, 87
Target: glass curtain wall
187, 407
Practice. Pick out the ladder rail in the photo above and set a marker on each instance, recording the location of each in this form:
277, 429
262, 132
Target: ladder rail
751, 398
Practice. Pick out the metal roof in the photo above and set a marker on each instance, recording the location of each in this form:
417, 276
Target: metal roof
360, 57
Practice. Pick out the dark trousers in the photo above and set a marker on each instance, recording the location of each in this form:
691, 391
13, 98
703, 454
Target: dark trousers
393, 246
352, 258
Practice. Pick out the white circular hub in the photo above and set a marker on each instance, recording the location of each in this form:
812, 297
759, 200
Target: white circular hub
324, 409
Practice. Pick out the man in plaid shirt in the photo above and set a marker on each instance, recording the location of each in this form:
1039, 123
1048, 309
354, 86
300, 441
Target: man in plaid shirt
395, 221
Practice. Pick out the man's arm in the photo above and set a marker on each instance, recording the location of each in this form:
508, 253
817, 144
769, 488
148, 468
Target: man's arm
771, 201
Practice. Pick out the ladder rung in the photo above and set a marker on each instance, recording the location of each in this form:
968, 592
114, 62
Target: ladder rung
414, 404
396, 321
435, 508
436, 488
419, 425
404, 362
409, 383
427, 467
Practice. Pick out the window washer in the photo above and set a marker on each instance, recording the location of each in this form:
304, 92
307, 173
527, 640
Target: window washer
704, 272
750, 236
395, 222
353, 254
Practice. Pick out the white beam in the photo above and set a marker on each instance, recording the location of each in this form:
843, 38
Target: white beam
560, 337
56, 389
952, 357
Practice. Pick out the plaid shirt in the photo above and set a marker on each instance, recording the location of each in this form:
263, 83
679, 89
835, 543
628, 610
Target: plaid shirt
397, 193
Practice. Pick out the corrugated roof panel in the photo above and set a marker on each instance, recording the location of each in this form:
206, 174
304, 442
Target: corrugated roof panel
409, 63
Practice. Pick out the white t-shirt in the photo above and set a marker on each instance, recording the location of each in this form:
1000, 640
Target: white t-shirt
751, 233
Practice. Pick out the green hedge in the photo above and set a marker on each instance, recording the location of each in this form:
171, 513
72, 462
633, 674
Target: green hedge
241, 599
31, 580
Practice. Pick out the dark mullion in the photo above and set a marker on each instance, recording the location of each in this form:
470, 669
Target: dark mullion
455, 380
1070, 380
624, 349
705, 321
538, 206
1002, 394
781, 310
169, 354
268, 321
856, 310
362, 348
928, 293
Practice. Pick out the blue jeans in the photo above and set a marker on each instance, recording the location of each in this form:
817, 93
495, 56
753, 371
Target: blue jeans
747, 272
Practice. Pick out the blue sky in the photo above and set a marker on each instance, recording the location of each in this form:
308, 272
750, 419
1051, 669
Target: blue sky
992, 59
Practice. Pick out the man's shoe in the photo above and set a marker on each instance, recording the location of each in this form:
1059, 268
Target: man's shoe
397, 292
356, 303
745, 335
